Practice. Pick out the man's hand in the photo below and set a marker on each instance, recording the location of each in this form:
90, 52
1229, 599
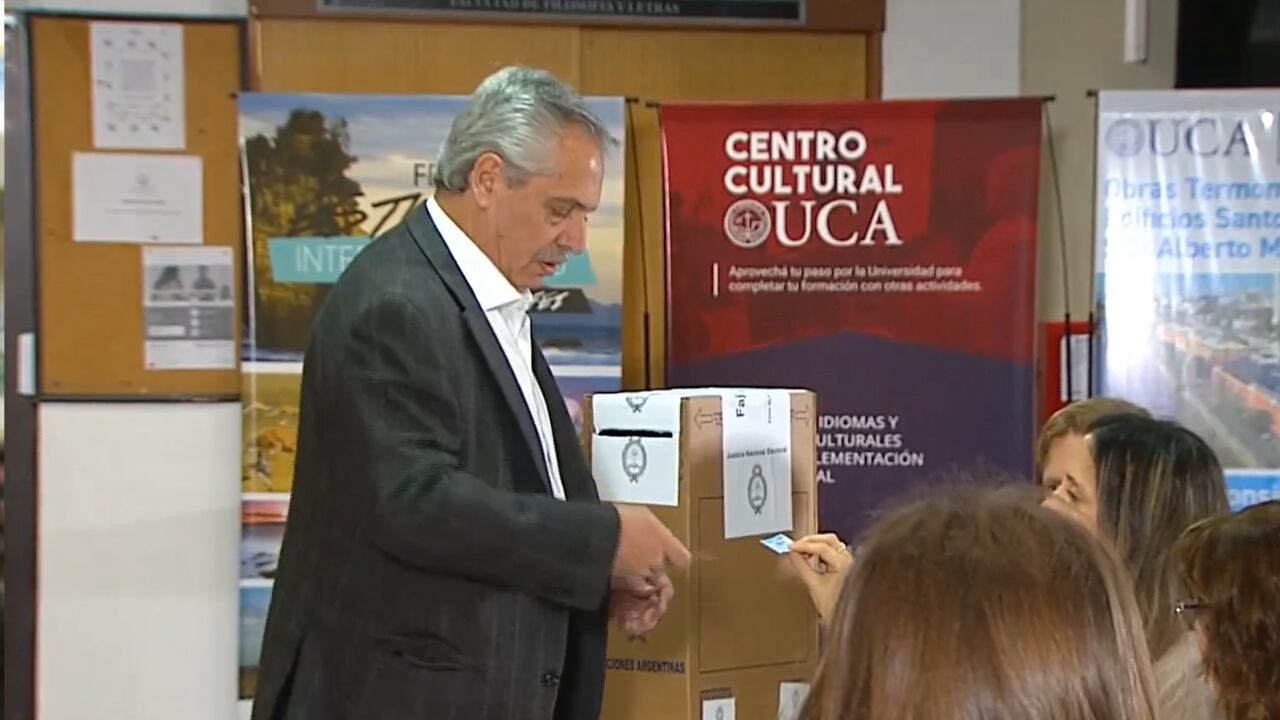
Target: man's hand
646, 552
821, 561
638, 615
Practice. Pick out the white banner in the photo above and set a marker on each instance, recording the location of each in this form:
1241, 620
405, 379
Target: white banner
1188, 238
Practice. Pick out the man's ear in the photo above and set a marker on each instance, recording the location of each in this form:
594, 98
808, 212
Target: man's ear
486, 178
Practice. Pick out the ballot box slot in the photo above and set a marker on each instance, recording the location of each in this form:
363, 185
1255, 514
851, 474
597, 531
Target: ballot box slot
636, 433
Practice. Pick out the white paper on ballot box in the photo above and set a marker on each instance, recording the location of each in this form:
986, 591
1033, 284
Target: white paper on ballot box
635, 447
718, 709
757, 462
791, 697
636, 443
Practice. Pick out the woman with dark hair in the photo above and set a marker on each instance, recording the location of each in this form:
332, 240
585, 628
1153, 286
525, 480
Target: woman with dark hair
1229, 566
1152, 479
981, 604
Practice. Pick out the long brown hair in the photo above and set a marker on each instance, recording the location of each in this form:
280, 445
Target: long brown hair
1155, 478
1230, 565
980, 604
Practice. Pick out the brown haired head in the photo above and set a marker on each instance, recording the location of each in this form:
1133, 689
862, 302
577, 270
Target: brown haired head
982, 604
1155, 479
1230, 567
1075, 419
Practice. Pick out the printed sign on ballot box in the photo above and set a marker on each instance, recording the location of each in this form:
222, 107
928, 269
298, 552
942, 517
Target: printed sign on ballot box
757, 462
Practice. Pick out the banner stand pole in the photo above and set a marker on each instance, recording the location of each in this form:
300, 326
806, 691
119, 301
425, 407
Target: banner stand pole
657, 108
1094, 302
1062, 244
644, 259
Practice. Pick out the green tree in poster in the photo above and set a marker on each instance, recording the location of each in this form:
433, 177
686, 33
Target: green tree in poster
298, 187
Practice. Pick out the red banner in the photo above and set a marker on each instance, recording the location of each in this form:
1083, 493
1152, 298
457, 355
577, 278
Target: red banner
882, 254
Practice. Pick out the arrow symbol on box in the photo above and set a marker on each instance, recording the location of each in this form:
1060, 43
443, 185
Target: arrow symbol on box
704, 418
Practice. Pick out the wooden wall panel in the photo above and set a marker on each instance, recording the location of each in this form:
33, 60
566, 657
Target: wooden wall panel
388, 57
723, 65
644, 281
90, 294
867, 16
647, 65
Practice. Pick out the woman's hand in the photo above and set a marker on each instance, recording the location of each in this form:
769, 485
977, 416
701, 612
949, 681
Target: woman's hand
821, 562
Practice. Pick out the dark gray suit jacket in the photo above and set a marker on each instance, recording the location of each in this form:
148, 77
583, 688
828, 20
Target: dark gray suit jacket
427, 573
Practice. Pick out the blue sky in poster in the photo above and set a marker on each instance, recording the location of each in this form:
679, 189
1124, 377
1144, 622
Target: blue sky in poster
392, 135
255, 599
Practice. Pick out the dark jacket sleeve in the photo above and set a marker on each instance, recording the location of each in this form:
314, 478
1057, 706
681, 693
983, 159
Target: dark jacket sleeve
432, 514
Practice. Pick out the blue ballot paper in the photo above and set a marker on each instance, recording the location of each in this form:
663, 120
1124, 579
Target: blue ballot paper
779, 543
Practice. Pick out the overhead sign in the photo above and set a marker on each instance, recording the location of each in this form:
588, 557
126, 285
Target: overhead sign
867, 16
720, 11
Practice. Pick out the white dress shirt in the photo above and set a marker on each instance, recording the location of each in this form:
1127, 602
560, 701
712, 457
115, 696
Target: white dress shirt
507, 311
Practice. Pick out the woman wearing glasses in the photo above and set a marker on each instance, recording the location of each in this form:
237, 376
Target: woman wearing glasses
1151, 480
1230, 569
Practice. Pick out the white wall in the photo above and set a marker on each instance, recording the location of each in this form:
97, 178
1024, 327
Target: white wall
137, 564
136, 7
1071, 47
983, 48
952, 48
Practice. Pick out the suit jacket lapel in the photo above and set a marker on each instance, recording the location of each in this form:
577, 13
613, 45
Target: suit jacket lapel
432, 245
574, 473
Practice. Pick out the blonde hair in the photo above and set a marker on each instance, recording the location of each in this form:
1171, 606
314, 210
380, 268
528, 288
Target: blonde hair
981, 604
1075, 419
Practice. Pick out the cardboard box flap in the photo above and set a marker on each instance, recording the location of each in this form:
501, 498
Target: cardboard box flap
651, 411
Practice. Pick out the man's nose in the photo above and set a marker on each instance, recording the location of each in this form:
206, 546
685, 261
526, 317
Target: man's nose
574, 237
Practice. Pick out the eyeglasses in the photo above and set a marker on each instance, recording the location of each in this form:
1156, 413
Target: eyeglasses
1187, 609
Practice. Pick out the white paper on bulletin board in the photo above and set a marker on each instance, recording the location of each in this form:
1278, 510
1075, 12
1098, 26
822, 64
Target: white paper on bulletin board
188, 314
137, 198
138, 86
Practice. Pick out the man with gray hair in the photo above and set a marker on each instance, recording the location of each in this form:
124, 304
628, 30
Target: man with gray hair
446, 555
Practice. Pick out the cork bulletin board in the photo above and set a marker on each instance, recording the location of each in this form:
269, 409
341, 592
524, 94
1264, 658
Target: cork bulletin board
90, 340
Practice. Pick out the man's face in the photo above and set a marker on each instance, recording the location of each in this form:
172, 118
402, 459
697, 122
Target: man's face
538, 224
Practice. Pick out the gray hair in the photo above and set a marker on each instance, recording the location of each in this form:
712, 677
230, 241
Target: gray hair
515, 113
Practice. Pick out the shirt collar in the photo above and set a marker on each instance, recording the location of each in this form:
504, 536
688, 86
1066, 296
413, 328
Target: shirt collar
492, 289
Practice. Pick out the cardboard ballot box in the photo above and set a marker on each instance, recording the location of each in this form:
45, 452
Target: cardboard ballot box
723, 468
